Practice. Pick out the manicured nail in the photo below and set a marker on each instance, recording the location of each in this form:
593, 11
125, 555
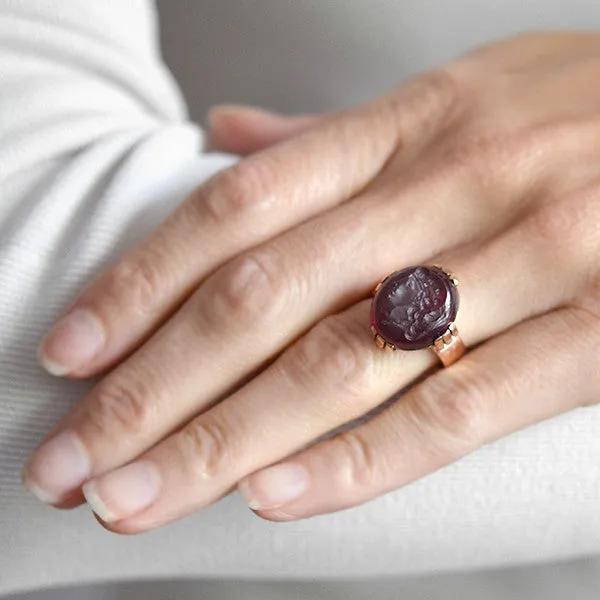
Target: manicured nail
57, 468
124, 492
274, 486
72, 343
235, 110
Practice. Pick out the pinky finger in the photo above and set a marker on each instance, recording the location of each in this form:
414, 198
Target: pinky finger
244, 130
535, 371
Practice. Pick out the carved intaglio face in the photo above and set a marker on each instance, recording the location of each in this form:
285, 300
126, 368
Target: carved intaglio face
414, 307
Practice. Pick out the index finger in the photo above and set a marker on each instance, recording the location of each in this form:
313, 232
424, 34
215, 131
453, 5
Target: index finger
241, 207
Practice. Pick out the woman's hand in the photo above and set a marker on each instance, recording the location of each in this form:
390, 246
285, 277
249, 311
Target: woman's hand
241, 327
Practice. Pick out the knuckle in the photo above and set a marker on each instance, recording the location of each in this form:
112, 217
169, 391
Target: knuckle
117, 407
333, 355
205, 449
550, 221
139, 281
252, 288
561, 227
452, 406
487, 157
442, 88
239, 190
360, 469
430, 99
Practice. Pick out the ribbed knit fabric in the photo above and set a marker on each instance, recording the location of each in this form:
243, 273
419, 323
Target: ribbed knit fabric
95, 150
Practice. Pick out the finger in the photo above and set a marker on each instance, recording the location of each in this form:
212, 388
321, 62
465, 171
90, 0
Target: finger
538, 370
332, 376
244, 130
253, 201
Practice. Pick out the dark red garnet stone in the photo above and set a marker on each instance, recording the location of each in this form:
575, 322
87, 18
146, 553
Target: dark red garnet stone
414, 307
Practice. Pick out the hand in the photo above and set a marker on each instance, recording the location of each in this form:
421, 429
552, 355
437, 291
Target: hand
241, 327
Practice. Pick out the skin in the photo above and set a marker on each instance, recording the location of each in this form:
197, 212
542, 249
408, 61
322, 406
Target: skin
238, 333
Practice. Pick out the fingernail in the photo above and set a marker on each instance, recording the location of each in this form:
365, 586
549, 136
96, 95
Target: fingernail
235, 110
274, 486
57, 468
72, 343
235, 118
124, 492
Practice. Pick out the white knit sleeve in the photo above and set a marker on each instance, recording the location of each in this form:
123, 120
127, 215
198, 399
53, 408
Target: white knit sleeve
95, 150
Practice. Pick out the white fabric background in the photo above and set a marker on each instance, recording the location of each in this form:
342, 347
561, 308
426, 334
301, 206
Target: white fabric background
94, 149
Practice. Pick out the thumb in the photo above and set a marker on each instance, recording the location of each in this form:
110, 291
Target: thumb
243, 129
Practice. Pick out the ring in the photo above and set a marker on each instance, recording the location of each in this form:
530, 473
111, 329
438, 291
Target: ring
416, 308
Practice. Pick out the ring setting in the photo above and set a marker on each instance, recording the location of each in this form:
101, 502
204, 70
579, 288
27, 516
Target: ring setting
415, 308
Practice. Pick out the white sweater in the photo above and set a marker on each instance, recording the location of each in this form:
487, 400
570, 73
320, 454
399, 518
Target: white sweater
95, 150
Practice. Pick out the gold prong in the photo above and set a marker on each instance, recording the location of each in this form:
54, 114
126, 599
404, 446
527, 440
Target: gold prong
373, 330
380, 284
381, 343
448, 274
